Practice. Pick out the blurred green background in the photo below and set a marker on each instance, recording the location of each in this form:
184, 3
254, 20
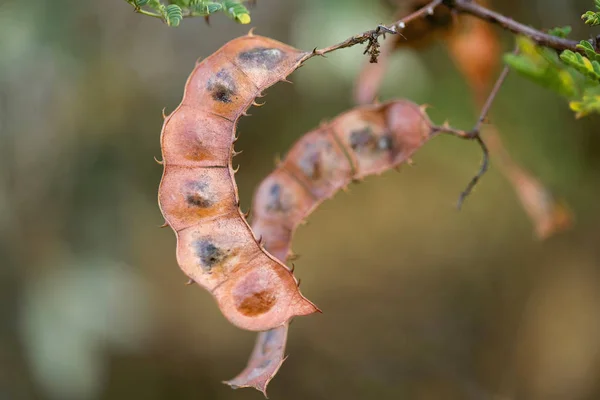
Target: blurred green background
420, 301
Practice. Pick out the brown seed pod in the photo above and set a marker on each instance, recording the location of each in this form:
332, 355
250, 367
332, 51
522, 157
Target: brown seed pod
366, 140
198, 195
474, 48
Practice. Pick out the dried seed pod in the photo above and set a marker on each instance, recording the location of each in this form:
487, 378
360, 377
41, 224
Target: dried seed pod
475, 50
364, 141
198, 195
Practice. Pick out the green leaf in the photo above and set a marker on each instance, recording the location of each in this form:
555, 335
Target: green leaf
589, 68
180, 3
589, 50
204, 8
237, 11
213, 7
543, 73
591, 18
173, 15
561, 32
586, 106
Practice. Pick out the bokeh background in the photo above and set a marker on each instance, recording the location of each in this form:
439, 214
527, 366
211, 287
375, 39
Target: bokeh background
420, 301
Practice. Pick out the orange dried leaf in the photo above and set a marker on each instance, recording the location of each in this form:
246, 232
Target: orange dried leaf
548, 214
476, 52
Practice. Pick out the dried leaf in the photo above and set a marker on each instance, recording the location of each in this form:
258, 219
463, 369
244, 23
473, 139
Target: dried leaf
549, 215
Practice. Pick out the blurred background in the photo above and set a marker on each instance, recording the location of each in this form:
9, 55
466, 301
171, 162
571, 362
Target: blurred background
420, 301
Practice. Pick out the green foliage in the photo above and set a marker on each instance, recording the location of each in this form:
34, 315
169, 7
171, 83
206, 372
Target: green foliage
592, 18
176, 10
588, 104
589, 68
561, 32
237, 11
574, 75
173, 15
543, 66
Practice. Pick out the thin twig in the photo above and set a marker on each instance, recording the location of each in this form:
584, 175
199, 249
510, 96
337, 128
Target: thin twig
485, 162
475, 134
490, 100
460, 6
372, 36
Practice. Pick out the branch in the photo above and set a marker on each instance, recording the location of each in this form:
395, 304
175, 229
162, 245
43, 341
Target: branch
460, 6
475, 134
372, 36
541, 38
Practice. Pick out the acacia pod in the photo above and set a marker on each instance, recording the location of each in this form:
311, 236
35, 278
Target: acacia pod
198, 195
364, 141
475, 50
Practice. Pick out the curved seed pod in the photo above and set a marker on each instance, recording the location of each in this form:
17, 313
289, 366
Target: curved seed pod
366, 140
475, 50
198, 195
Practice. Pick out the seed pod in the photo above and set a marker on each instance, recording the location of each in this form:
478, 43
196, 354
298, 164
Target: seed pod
198, 195
366, 140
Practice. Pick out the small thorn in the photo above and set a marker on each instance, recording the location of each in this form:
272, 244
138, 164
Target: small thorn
293, 268
246, 214
318, 52
293, 256
303, 222
446, 124
424, 107
410, 162
158, 161
254, 103
299, 282
235, 153
163, 113
245, 114
285, 80
198, 61
236, 169
251, 31
190, 282
345, 189
277, 160
260, 239
164, 225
